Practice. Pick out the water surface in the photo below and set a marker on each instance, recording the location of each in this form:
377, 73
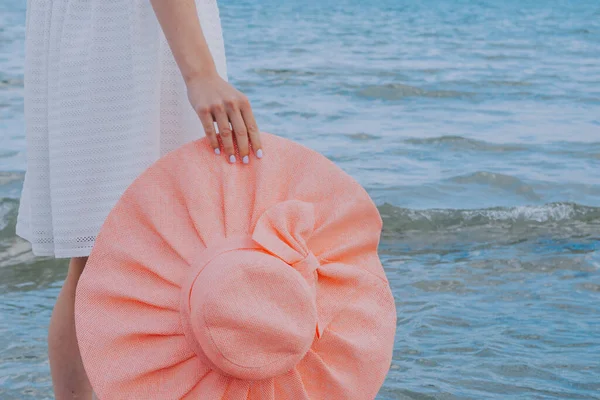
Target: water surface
475, 127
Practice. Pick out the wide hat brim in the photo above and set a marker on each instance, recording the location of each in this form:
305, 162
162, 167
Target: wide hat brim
294, 205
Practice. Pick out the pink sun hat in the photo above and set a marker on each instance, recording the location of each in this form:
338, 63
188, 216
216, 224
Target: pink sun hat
211, 280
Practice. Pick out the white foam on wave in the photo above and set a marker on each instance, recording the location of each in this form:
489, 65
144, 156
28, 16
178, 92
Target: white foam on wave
543, 213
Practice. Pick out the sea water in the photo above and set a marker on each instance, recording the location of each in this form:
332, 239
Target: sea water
474, 126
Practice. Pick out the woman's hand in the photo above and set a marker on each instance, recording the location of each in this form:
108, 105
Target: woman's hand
215, 100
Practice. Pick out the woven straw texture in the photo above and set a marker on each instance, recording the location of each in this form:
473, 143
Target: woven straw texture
217, 281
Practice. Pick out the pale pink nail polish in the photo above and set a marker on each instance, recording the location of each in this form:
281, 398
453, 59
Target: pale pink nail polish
217, 151
246, 160
259, 153
232, 158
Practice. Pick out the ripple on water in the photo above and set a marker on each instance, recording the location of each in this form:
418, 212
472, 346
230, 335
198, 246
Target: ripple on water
361, 136
397, 91
501, 181
11, 83
463, 143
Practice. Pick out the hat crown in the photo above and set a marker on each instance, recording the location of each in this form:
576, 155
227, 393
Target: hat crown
247, 313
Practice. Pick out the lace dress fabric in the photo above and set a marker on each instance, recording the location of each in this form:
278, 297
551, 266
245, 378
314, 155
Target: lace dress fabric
104, 99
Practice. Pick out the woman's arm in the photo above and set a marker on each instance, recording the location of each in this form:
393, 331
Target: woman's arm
213, 98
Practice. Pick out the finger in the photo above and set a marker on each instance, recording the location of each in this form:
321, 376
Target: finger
225, 132
252, 128
240, 132
208, 124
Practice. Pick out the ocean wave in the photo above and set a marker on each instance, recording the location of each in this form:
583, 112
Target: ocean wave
559, 214
8, 217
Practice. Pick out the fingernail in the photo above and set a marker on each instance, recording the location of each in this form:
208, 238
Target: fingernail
217, 151
259, 153
232, 158
245, 160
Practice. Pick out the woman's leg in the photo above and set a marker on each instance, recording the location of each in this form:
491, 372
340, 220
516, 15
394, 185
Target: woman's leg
68, 376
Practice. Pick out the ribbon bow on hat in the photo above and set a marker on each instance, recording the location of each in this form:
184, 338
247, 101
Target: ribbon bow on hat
284, 230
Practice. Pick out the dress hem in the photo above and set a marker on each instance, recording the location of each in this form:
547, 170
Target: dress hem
45, 252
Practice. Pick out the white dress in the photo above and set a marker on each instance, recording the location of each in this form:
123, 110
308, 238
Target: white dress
104, 99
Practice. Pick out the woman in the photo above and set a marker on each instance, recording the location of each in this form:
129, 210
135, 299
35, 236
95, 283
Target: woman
110, 86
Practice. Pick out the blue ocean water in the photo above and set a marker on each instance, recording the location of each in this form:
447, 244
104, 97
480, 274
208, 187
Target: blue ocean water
475, 127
